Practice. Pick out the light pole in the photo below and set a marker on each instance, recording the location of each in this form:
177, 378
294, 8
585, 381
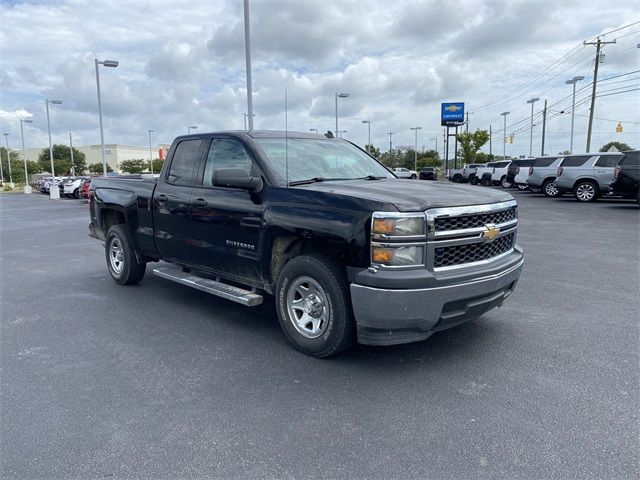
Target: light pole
339, 95
247, 55
573, 82
415, 148
110, 64
191, 127
54, 193
73, 168
150, 152
390, 144
6, 138
504, 135
368, 122
27, 187
436, 139
314, 130
531, 101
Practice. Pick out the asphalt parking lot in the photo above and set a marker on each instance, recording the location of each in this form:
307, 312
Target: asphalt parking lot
162, 381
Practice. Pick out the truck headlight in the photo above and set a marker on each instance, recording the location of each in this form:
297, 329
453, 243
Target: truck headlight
397, 256
398, 226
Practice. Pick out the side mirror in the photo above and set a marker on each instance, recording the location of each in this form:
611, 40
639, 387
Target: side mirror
236, 178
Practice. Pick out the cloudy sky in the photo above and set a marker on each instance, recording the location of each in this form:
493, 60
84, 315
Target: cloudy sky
182, 63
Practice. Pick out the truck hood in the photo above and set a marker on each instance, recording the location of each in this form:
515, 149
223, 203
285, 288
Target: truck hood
412, 195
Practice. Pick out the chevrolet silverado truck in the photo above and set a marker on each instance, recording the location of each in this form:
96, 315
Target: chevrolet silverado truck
347, 251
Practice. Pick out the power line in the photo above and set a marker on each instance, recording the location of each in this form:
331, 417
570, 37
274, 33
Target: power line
617, 93
614, 30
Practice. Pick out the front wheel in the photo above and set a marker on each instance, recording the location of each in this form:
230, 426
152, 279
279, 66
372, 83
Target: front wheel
473, 180
413, 177
121, 259
486, 181
586, 192
506, 183
522, 186
314, 310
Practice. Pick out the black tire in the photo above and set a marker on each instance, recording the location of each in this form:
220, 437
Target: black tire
336, 332
586, 191
473, 180
121, 259
505, 182
486, 181
457, 178
550, 190
413, 177
76, 193
522, 186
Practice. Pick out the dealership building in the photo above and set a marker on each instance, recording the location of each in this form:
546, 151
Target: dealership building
114, 153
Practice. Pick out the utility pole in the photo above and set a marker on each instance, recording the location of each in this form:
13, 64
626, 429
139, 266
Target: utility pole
490, 136
73, 168
466, 128
247, 54
598, 45
544, 125
390, 144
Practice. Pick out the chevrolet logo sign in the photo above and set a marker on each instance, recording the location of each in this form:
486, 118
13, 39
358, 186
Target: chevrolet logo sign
491, 232
453, 108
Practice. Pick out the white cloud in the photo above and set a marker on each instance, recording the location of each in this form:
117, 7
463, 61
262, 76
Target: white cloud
183, 63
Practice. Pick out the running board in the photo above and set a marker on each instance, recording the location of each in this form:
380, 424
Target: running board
219, 289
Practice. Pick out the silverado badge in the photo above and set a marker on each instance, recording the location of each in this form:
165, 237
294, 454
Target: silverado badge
491, 232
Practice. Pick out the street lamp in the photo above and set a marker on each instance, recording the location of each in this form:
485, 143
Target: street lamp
27, 187
314, 130
415, 148
110, 64
339, 95
504, 132
54, 193
191, 127
436, 139
6, 138
573, 82
531, 101
390, 143
368, 122
150, 152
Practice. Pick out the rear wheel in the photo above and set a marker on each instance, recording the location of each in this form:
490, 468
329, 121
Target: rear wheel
312, 299
522, 186
76, 193
473, 180
586, 191
550, 189
486, 181
457, 178
121, 259
506, 183
413, 176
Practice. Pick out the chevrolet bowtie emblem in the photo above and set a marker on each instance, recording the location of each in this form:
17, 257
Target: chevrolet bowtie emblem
491, 232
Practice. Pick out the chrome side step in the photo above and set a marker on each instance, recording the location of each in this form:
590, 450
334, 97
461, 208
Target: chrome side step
219, 289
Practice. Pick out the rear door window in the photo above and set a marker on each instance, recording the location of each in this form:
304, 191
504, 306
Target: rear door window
608, 160
184, 162
501, 164
544, 162
576, 161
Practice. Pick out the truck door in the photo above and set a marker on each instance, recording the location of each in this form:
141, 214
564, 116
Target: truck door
225, 222
171, 201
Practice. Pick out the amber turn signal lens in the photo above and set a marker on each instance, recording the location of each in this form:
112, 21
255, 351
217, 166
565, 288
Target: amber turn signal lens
385, 226
382, 255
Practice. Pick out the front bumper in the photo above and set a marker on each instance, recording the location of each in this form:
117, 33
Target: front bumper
392, 316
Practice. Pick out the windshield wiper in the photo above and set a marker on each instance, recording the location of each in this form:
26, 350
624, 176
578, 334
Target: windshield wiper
309, 180
371, 177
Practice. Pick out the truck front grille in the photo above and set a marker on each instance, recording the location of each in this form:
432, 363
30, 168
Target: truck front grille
458, 237
443, 224
472, 252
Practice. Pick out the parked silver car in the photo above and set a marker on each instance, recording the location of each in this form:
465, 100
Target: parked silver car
587, 175
542, 176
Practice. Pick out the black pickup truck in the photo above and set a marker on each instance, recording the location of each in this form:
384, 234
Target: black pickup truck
348, 251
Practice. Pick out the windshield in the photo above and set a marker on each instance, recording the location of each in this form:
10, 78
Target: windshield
324, 159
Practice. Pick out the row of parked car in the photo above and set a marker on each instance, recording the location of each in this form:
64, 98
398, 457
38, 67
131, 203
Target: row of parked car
71, 187
426, 173
588, 176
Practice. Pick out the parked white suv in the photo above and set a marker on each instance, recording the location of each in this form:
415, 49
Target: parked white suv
405, 173
499, 174
483, 174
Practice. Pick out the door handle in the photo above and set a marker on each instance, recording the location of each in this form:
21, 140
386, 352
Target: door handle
162, 198
200, 202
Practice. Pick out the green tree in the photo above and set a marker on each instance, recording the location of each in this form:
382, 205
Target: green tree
62, 160
621, 146
429, 158
482, 157
137, 165
157, 165
373, 151
470, 143
97, 168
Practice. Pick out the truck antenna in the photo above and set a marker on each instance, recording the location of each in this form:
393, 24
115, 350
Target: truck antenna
286, 141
